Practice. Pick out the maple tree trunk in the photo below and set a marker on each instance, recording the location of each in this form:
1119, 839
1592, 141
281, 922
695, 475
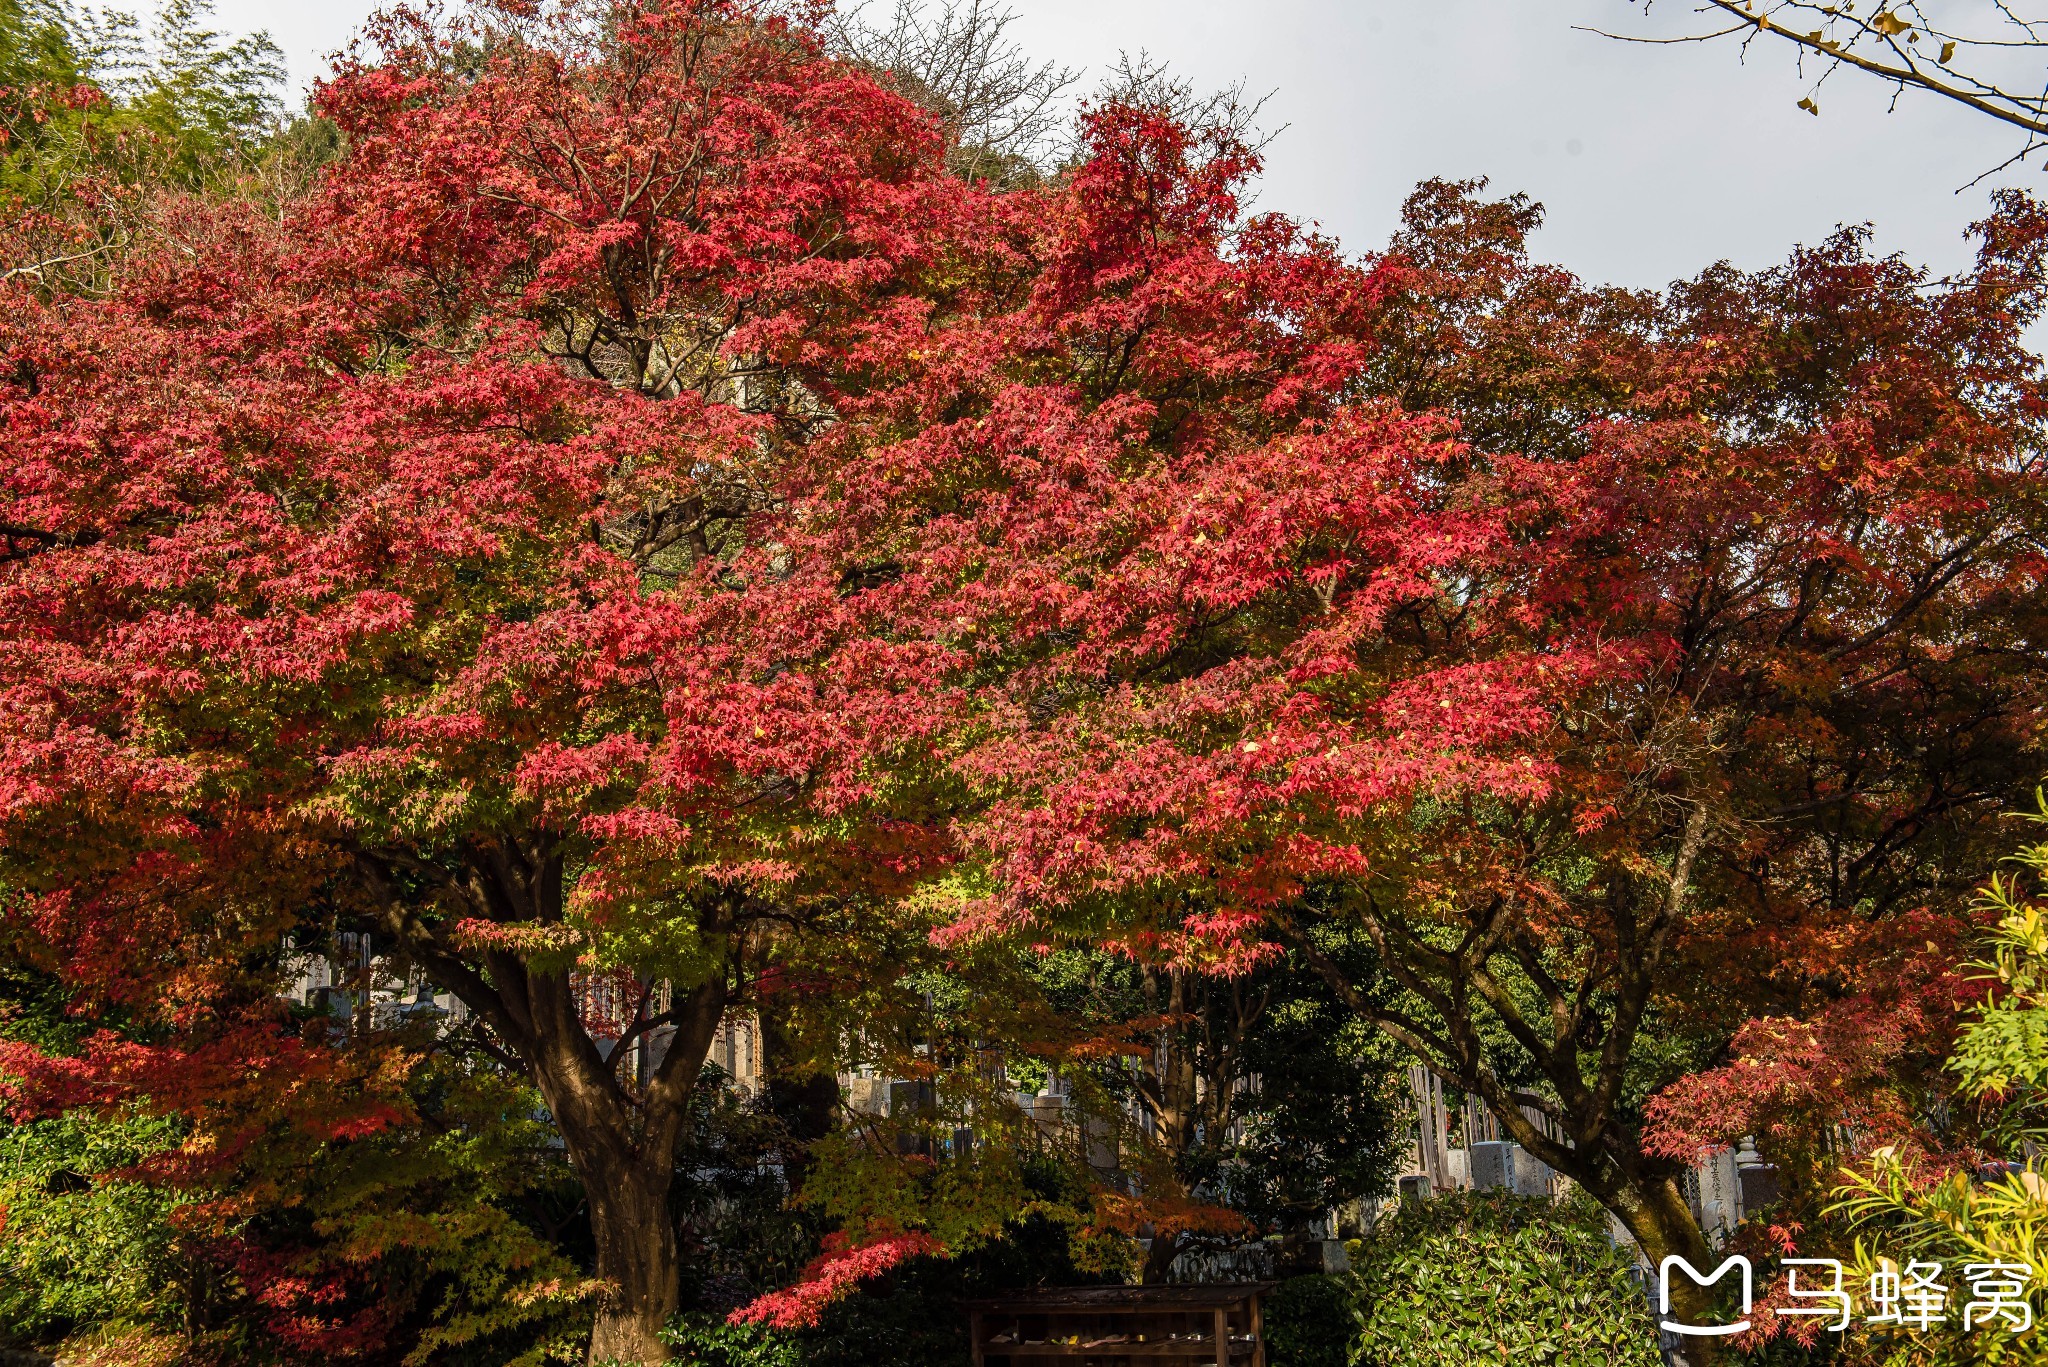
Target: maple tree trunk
1657, 1215
1159, 1259
627, 1170
636, 1256
620, 1136
625, 1154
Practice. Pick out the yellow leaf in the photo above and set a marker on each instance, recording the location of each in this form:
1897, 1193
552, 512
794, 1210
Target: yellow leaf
1810, 107
1948, 50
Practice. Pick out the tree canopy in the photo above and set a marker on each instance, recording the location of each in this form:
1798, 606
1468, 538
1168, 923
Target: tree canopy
654, 530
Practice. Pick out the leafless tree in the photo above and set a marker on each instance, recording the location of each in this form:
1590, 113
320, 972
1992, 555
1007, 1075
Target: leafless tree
1982, 54
1002, 111
1140, 80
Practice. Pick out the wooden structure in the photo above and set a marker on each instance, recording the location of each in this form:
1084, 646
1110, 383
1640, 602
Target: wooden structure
1122, 1326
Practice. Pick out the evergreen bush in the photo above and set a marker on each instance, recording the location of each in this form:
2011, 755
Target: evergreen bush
1472, 1278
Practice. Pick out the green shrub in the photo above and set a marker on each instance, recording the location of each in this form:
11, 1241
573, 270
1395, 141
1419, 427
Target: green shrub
1490, 1278
78, 1248
704, 1339
1309, 1323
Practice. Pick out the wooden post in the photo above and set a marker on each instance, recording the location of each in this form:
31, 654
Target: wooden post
1222, 1336
974, 1336
1258, 1319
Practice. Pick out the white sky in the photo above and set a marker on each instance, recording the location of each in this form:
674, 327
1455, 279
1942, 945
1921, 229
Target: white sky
1653, 161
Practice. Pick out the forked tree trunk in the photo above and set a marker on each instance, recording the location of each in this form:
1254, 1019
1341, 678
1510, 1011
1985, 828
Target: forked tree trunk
623, 1145
1160, 1258
620, 1133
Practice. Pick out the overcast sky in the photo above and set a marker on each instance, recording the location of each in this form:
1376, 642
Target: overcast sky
1653, 161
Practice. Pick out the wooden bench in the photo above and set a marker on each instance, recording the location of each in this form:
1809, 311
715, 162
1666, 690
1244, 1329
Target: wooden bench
1122, 1326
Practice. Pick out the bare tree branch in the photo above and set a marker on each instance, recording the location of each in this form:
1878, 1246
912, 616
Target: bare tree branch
1230, 112
1997, 67
955, 58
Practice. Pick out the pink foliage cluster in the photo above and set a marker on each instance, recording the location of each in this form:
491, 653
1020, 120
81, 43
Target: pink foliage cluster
842, 1267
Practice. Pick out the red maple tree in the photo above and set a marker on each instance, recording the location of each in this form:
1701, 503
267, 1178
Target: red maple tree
396, 563
1679, 684
638, 514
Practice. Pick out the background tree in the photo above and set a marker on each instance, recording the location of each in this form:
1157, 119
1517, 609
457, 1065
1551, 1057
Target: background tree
96, 118
1001, 112
1258, 1099
1626, 758
1840, 833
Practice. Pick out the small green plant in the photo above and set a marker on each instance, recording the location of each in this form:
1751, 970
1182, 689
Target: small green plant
1492, 1278
706, 1340
78, 1245
1904, 1209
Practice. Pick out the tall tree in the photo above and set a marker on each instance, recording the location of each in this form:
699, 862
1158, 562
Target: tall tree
1695, 672
1241, 1106
586, 534
95, 116
391, 564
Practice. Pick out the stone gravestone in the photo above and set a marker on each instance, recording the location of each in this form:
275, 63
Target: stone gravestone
1499, 1165
1715, 1190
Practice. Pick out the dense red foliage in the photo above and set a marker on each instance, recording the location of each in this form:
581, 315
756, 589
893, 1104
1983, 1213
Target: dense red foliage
834, 1272
638, 514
